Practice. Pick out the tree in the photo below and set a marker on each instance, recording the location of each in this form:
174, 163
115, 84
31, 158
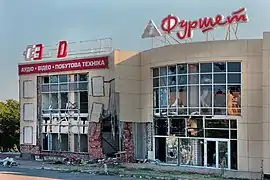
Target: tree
9, 125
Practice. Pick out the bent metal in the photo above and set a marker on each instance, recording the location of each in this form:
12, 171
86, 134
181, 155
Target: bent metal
172, 23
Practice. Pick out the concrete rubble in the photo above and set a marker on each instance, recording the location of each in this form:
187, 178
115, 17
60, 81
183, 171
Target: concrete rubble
8, 162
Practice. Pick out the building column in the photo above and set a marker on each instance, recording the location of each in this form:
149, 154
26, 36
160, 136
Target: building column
72, 99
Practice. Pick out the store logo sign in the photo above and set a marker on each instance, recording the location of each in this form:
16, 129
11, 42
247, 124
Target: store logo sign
184, 29
36, 52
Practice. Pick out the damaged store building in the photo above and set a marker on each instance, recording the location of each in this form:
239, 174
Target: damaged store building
71, 106
201, 104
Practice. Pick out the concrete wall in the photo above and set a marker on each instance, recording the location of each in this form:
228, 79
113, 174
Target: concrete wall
128, 76
266, 102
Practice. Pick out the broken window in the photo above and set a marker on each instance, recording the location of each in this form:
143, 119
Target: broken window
54, 142
161, 126
57, 92
64, 142
63, 78
45, 142
64, 100
54, 101
178, 127
83, 77
46, 79
84, 102
83, 143
45, 101
54, 79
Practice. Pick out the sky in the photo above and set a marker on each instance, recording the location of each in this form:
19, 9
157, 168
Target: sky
25, 22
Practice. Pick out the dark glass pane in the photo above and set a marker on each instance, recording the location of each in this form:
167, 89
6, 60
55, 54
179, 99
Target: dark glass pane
161, 126
177, 127
182, 79
193, 78
63, 78
234, 66
156, 98
233, 134
76, 77
234, 78
182, 111
63, 87
206, 78
163, 71
54, 79
193, 94
206, 111
182, 96
206, 96
206, 67
64, 100
171, 80
234, 154
171, 70
54, 87
46, 79
217, 123
219, 96
220, 67
220, 78
155, 72
182, 68
54, 101
72, 86
83, 101
233, 124
156, 82
193, 68
211, 133
160, 149
163, 81
83, 86
219, 111
163, 97
44, 88
83, 77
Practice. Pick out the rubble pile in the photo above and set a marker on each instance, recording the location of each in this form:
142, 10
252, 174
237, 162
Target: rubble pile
8, 162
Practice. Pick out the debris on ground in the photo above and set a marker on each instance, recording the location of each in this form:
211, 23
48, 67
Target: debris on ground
8, 162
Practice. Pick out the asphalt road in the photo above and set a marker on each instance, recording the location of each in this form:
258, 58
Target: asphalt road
33, 174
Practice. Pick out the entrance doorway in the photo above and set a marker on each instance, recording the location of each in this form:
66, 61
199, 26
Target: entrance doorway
217, 153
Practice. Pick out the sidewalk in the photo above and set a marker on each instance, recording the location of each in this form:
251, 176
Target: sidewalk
146, 171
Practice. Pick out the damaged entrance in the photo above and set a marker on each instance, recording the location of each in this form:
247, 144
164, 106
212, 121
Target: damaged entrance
70, 120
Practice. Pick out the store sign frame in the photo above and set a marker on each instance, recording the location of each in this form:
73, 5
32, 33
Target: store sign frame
67, 65
184, 29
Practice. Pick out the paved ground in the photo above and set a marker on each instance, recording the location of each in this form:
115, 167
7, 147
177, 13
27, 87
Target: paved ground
15, 173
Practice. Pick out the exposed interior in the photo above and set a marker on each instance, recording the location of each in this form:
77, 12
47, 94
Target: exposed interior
186, 98
65, 114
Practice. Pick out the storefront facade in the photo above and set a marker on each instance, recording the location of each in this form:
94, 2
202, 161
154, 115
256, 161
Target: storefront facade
200, 104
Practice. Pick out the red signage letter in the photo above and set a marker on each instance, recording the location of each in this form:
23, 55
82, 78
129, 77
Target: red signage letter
38, 52
62, 49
